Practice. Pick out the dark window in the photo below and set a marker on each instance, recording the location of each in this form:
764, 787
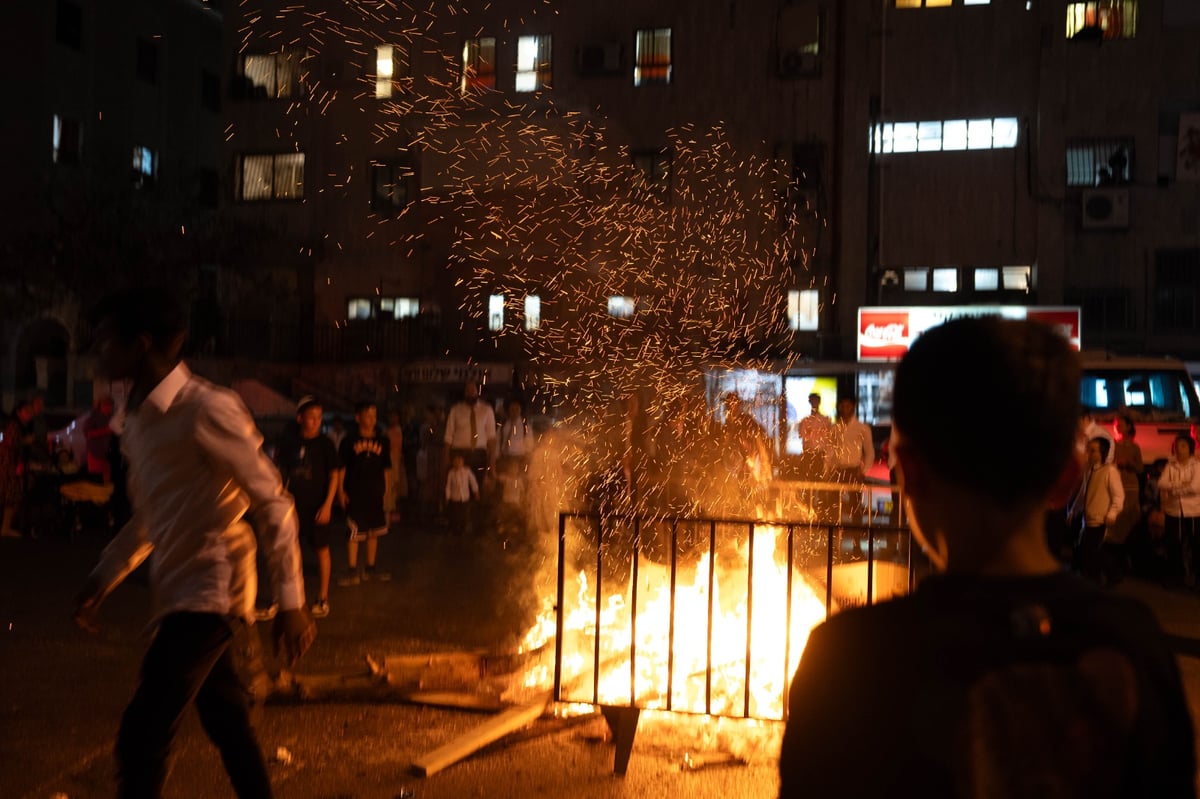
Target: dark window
147, 59
1103, 309
391, 184
67, 140
207, 187
68, 24
1176, 290
653, 171
210, 91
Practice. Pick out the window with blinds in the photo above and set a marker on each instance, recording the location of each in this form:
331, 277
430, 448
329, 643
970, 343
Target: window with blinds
1099, 162
272, 75
1102, 19
652, 62
274, 176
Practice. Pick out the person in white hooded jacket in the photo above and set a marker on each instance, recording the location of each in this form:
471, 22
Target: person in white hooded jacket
1098, 502
1179, 491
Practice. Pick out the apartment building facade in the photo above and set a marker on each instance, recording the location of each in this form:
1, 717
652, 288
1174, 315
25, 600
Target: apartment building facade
111, 150
941, 152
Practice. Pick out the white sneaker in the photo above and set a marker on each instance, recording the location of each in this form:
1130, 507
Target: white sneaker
267, 613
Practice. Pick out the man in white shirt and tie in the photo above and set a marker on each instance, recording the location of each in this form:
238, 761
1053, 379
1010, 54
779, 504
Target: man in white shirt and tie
196, 466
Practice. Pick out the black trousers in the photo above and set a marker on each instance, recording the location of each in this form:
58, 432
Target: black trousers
188, 662
1183, 546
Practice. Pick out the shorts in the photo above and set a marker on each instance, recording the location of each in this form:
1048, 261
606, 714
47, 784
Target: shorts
318, 536
357, 534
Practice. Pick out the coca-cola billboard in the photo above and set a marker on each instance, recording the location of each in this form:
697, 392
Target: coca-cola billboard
885, 334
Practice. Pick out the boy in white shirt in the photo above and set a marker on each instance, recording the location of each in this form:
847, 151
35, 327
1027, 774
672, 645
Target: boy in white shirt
461, 490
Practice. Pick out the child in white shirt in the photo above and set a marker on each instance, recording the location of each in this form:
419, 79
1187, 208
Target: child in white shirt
461, 490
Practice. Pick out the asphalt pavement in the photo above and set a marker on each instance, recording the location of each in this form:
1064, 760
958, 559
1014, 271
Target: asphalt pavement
63, 691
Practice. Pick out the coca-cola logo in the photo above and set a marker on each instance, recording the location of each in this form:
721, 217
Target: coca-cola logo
891, 333
882, 335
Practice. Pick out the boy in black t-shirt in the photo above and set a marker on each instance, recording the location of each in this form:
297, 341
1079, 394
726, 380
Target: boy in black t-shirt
310, 467
365, 459
1003, 676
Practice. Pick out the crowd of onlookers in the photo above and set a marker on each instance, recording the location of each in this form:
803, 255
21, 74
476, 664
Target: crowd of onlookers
1128, 516
37, 465
466, 466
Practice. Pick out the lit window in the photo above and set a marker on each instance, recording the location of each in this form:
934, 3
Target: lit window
272, 75
929, 136
390, 183
653, 170
979, 134
803, 309
496, 312
1099, 162
1004, 133
271, 177
359, 308
1102, 19
987, 279
904, 137
653, 56
144, 166
66, 140
533, 312
478, 64
945, 279
916, 279
399, 307
976, 2
621, 307
923, 3
385, 68
533, 63
952, 134
1017, 278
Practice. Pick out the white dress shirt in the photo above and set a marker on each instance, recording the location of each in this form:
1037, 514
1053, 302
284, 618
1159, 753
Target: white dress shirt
196, 466
850, 446
461, 485
459, 434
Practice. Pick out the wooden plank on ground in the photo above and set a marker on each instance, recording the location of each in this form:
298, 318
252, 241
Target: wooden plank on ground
494, 729
457, 700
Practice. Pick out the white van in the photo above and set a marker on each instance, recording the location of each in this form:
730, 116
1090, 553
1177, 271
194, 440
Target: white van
1157, 393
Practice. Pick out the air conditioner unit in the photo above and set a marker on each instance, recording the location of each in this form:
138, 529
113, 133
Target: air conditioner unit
1106, 209
600, 59
798, 64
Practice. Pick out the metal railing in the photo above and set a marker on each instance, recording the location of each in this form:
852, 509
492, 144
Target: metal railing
606, 548
617, 548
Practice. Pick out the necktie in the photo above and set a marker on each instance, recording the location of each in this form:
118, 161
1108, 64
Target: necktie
474, 429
